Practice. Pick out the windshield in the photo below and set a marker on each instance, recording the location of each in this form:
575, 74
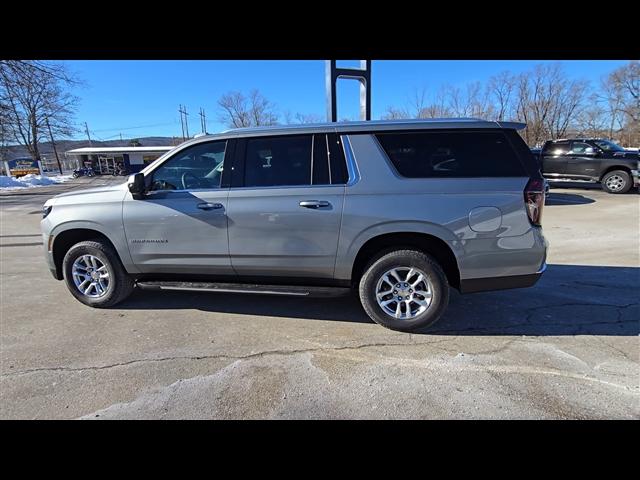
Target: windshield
608, 146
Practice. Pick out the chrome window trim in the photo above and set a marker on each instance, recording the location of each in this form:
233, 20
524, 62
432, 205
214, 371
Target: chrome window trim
352, 166
280, 187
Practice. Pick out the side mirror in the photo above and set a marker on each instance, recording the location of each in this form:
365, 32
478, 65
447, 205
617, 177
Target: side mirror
136, 185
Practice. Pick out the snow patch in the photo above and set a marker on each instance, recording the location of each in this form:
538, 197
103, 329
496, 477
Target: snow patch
31, 180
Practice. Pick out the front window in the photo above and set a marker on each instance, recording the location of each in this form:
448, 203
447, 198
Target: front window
196, 167
608, 146
581, 148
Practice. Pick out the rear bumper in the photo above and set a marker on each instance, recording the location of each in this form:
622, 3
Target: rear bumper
473, 285
635, 174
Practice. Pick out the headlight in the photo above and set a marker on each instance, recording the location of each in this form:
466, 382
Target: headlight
46, 210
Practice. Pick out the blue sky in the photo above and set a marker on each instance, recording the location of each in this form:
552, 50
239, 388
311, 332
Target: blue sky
120, 96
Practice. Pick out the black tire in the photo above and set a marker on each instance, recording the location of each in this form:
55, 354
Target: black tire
623, 177
402, 259
120, 284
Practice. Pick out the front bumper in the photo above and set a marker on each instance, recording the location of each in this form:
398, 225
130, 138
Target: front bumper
47, 243
635, 174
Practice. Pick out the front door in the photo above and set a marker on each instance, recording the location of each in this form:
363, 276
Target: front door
554, 159
180, 226
284, 213
582, 160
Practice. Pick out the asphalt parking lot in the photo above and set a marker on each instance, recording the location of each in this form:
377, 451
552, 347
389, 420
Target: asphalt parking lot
566, 348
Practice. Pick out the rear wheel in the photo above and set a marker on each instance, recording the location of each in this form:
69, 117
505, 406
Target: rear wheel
616, 181
404, 290
94, 274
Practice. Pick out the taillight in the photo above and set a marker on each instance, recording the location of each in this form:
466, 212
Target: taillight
534, 200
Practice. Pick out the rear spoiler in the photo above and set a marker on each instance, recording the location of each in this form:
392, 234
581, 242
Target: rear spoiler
512, 125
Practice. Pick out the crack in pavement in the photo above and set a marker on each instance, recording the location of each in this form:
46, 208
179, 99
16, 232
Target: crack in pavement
531, 311
505, 369
213, 357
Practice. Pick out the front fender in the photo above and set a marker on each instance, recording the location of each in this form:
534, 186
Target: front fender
116, 237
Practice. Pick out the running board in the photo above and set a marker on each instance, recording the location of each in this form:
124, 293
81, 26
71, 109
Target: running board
289, 290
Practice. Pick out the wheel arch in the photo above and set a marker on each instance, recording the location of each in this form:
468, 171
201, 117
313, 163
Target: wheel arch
624, 168
64, 240
425, 242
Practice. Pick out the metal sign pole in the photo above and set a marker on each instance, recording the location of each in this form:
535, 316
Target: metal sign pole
362, 74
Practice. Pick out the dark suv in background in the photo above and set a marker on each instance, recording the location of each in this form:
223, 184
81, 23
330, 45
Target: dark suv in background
590, 159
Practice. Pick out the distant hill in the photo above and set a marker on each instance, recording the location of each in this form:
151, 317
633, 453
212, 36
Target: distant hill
16, 151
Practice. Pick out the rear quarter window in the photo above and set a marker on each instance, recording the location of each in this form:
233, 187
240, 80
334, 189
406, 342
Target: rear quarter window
438, 154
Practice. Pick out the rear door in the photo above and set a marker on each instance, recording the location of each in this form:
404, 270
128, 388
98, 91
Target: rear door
285, 206
554, 159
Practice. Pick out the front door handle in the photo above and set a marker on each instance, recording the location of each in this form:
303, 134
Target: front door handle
314, 204
210, 206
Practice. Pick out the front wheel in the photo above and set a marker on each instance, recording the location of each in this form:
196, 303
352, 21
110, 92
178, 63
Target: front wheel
404, 290
94, 274
616, 181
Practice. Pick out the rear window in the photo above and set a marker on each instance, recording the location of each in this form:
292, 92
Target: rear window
438, 154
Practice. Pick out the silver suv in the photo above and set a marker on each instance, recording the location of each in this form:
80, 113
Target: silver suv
398, 210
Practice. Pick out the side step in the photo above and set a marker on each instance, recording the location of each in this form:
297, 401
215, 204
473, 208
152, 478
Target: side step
290, 290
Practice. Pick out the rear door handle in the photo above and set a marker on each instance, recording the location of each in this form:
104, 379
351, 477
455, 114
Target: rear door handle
210, 206
314, 204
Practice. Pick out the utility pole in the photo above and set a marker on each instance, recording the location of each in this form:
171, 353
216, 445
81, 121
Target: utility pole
53, 144
203, 120
186, 121
181, 122
185, 124
86, 129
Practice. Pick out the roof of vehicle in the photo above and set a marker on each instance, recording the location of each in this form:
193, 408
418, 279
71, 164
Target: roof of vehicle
95, 150
353, 127
365, 126
579, 139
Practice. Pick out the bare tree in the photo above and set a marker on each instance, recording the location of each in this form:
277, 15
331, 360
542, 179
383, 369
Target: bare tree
471, 101
34, 98
592, 120
302, 118
627, 80
4, 133
611, 97
253, 110
547, 101
545, 98
620, 92
501, 87
417, 107
394, 113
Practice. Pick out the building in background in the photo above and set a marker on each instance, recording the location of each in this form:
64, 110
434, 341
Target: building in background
105, 160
